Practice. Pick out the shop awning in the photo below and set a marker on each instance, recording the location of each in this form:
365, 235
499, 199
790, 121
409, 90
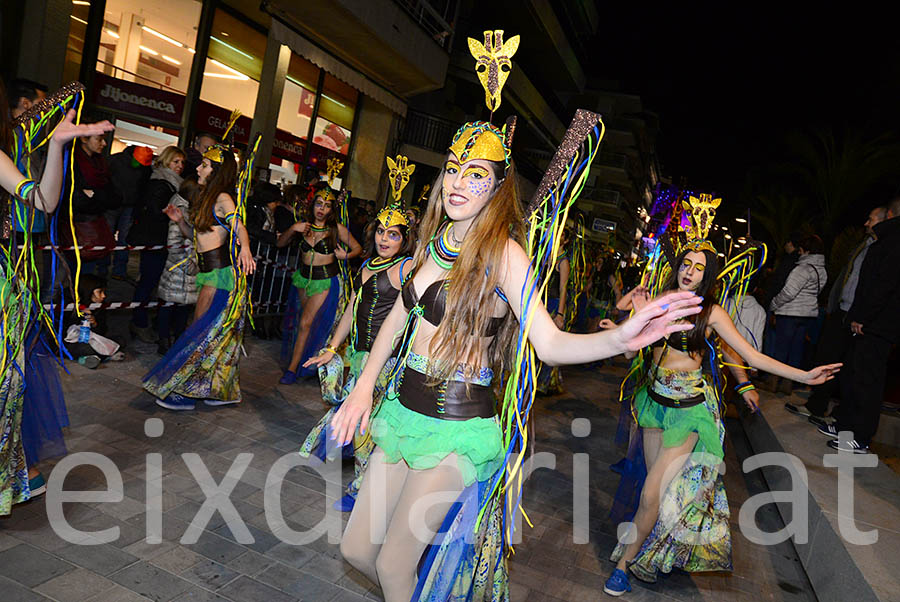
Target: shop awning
336, 67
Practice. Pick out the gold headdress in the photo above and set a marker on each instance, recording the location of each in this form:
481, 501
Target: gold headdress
399, 170
326, 193
216, 152
702, 213
335, 166
493, 62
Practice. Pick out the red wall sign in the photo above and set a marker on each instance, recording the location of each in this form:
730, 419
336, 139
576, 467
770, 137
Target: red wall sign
121, 95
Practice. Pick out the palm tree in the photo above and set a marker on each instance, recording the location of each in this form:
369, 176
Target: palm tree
780, 214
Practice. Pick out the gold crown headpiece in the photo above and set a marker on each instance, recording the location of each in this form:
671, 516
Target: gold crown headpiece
702, 213
399, 171
216, 152
482, 140
393, 215
335, 166
327, 193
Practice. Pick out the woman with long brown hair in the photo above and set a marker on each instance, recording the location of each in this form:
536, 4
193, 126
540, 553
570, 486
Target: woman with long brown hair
20, 292
315, 294
437, 433
682, 518
203, 362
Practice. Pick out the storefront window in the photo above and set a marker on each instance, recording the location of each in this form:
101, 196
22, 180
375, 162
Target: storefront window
331, 135
234, 64
293, 120
150, 43
78, 21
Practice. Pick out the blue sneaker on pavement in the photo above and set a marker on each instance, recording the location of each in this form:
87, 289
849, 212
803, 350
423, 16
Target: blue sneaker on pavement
174, 401
221, 402
37, 485
617, 584
289, 378
346, 503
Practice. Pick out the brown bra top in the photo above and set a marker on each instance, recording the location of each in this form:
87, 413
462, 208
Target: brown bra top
433, 302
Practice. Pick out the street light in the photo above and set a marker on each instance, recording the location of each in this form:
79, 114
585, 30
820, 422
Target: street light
728, 237
740, 220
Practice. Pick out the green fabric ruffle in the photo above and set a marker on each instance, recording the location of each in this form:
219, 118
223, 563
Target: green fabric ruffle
424, 441
221, 278
678, 423
312, 287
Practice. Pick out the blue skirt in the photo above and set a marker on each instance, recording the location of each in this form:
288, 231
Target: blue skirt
322, 324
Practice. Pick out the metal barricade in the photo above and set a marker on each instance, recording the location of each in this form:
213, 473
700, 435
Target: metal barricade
270, 284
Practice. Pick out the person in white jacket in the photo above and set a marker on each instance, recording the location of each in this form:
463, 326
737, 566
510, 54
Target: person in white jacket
796, 306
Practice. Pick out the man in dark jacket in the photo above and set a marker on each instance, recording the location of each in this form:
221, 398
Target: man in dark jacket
835, 337
129, 172
875, 327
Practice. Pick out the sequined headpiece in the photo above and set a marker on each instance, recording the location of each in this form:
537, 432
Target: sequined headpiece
399, 171
216, 152
326, 193
480, 140
335, 166
393, 215
493, 63
702, 213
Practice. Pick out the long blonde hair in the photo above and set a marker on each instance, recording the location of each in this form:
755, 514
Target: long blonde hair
473, 279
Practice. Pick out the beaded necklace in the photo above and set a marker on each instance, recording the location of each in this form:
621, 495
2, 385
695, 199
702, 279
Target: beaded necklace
442, 250
316, 228
379, 264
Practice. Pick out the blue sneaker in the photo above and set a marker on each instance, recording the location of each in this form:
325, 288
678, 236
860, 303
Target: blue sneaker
346, 503
221, 402
289, 378
174, 401
37, 485
617, 584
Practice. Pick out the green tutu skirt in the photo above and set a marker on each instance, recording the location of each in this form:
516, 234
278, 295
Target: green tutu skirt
312, 287
424, 441
677, 424
220, 278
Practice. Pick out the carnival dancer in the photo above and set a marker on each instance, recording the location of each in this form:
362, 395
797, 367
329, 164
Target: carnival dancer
390, 244
203, 362
29, 381
316, 292
682, 519
437, 433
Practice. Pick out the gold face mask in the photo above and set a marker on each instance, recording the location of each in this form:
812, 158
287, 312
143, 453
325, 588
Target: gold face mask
398, 175
702, 212
334, 169
493, 62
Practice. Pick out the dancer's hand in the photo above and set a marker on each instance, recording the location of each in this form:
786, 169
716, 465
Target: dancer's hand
67, 130
751, 398
340, 253
300, 227
175, 214
657, 320
246, 261
356, 409
821, 374
319, 360
607, 324
640, 297
560, 321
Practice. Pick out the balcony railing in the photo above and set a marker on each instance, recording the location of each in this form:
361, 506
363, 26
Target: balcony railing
428, 131
434, 16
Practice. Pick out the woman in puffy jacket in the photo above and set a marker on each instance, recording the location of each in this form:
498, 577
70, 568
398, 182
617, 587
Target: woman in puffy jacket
178, 283
151, 228
796, 306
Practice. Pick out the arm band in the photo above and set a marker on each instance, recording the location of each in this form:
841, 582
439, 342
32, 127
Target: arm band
744, 387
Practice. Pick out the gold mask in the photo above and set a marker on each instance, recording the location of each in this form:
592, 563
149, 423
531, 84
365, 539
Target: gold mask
493, 63
334, 169
702, 213
398, 175
215, 153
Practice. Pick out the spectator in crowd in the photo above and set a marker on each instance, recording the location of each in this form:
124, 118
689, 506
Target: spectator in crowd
262, 206
267, 218
151, 228
295, 199
94, 193
178, 283
90, 353
130, 172
875, 328
775, 280
835, 337
22, 94
796, 306
194, 155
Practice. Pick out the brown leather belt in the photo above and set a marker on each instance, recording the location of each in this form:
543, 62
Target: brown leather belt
448, 400
214, 259
319, 272
668, 402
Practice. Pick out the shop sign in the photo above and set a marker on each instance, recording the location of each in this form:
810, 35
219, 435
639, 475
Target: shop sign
121, 95
214, 119
289, 147
602, 225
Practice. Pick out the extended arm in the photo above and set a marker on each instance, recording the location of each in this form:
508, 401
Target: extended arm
560, 316
51, 181
720, 321
341, 331
284, 239
736, 366
225, 207
557, 347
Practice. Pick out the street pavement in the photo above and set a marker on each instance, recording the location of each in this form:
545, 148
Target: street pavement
108, 411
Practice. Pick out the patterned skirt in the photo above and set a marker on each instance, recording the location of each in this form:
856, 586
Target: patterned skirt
203, 363
13, 469
334, 391
692, 531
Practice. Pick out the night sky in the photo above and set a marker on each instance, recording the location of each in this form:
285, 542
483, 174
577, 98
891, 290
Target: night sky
730, 84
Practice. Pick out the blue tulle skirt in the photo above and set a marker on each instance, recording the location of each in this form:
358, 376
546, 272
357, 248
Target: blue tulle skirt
44, 412
322, 325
